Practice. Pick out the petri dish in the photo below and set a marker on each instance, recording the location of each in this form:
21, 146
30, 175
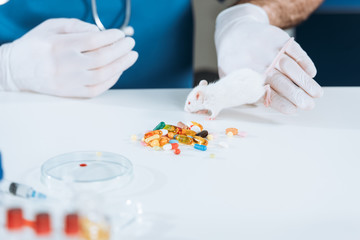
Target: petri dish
88, 170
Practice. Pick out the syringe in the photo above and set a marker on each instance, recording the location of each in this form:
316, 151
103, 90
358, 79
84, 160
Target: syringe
17, 189
20, 190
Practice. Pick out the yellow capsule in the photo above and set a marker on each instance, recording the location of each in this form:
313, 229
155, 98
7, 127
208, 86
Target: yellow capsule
210, 137
187, 132
200, 140
152, 133
198, 124
149, 139
184, 139
133, 137
155, 143
90, 229
163, 141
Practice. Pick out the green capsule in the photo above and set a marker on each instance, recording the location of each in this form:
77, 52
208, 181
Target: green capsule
161, 125
184, 139
171, 128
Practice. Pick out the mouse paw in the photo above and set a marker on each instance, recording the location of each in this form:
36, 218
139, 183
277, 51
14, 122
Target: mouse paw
202, 112
214, 114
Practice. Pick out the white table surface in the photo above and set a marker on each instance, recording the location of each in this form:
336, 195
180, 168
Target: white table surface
293, 177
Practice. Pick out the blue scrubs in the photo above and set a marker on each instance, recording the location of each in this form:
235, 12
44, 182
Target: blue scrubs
163, 34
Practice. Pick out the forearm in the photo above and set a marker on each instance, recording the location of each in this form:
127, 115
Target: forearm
285, 14
5, 81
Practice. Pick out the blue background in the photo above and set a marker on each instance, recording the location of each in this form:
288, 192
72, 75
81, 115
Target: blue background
340, 5
331, 37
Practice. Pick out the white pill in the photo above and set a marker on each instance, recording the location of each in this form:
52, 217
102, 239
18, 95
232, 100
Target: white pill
167, 146
157, 148
223, 144
230, 134
195, 128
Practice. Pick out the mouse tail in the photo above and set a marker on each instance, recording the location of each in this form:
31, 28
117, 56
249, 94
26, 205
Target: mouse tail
267, 96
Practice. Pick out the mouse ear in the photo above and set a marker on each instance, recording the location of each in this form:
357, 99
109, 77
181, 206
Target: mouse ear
200, 96
203, 83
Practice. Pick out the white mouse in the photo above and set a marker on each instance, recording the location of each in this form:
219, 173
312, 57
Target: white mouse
243, 86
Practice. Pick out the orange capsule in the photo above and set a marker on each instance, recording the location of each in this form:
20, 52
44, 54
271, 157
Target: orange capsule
149, 139
154, 143
234, 131
186, 132
163, 141
200, 140
171, 135
197, 124
152, 133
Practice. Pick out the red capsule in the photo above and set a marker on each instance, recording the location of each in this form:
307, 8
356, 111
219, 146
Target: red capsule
174, 145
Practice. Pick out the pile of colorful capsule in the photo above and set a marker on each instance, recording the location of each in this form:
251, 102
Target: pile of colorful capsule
168, 137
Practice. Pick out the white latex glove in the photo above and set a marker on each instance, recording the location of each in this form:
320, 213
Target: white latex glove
245, 39
66, 57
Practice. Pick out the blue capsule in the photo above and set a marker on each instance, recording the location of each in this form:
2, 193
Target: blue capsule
200, 147
173, 141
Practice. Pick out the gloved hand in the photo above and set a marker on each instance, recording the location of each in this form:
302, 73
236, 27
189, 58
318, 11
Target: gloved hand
245, 39
66, 57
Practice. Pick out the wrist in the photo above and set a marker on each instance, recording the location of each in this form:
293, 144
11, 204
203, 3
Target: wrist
242, 13
6, 82
239, 13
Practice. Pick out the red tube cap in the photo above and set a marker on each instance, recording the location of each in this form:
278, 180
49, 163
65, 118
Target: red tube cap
42, 224
72, 225
14, 219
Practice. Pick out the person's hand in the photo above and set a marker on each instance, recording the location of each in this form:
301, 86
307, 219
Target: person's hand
245, 39
66, 57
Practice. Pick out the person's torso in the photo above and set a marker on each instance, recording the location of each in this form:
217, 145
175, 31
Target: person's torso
163, 34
